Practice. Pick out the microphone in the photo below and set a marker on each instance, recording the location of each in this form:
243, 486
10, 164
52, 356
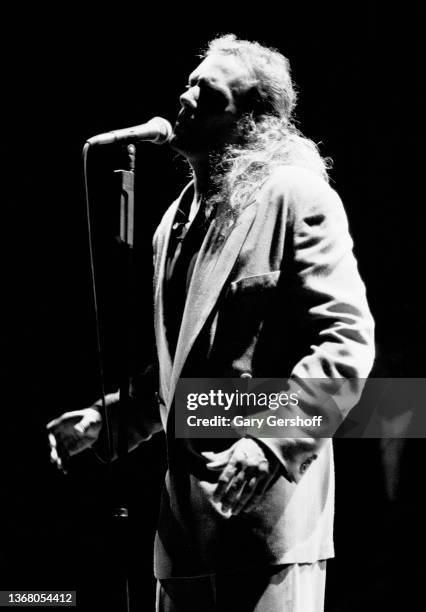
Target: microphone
156, 130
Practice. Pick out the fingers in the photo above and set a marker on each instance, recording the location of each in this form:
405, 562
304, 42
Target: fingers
246, 495
256, 483
255, 495
224, 482
53, 424
246, 475
74, 415
89, 425
241, 483
72, 433
230, 470
218, 461
55, 457
246, 487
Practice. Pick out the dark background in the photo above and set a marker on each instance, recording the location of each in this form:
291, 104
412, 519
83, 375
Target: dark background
67, 75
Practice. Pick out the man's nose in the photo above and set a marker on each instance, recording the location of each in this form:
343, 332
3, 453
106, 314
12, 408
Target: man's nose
189, 98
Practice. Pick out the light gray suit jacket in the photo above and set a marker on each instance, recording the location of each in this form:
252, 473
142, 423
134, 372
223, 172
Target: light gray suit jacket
277, 293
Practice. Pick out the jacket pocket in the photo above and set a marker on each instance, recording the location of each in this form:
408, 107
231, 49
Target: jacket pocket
256, 283
242, 314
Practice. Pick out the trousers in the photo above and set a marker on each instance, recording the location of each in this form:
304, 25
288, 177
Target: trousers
282, 588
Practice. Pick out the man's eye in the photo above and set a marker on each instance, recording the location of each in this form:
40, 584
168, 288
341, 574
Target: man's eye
213, 97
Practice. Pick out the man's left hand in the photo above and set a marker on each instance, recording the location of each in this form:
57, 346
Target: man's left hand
246, 475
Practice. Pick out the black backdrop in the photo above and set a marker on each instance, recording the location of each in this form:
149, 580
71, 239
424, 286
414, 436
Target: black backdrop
68, 75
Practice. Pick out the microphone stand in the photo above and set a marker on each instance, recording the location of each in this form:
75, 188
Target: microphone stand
119, 516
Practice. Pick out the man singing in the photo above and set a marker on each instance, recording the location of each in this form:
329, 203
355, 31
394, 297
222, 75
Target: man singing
254, 276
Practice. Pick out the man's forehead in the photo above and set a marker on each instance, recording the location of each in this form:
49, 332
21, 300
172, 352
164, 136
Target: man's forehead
218, 67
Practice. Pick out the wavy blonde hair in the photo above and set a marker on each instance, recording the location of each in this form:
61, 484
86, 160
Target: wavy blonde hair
267, 136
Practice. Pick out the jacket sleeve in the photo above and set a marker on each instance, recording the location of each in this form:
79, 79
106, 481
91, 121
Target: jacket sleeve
332, 304
140, 421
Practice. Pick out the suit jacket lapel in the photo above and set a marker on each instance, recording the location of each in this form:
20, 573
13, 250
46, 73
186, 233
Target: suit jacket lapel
215, 261
163, 238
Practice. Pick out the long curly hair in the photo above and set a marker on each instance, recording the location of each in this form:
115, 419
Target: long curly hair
267, 136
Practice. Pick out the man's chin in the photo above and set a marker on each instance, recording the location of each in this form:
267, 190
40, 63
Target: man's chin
179, 143
174, 140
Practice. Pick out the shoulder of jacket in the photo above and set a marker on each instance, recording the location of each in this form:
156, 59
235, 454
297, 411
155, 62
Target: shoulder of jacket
301, 189
291, 178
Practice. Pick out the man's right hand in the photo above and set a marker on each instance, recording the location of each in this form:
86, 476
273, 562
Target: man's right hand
72, 433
